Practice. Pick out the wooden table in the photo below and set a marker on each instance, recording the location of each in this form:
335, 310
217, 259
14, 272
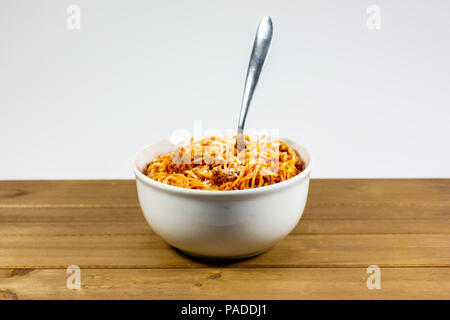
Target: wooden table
402, 226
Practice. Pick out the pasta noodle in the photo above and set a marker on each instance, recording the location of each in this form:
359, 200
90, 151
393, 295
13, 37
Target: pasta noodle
214, 164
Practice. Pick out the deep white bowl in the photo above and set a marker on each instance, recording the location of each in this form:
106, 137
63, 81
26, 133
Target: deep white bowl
221, 224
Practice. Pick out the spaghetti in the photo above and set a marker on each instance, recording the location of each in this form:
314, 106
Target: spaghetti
214, 164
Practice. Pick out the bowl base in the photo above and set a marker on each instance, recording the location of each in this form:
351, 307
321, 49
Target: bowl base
238, 257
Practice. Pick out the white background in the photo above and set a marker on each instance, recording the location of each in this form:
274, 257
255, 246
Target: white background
79, 104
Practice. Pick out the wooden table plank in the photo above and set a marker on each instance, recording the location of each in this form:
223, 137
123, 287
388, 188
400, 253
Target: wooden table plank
226, 283
131, 251
68, 193
402, 225
109, 207
423, 191
123, 192
315, 220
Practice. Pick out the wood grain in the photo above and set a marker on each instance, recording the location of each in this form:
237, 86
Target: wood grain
315, 220
226, 283
425, 192
149, 251
334, 206
401, 225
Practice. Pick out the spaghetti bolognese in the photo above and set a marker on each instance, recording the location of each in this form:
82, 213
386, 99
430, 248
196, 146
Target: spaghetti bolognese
214, 164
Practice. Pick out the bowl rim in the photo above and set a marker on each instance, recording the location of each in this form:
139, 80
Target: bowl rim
174, 189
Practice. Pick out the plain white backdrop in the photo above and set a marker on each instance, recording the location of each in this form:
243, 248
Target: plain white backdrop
77, 104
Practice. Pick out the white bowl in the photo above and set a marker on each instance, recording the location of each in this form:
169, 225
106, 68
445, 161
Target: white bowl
221, 224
